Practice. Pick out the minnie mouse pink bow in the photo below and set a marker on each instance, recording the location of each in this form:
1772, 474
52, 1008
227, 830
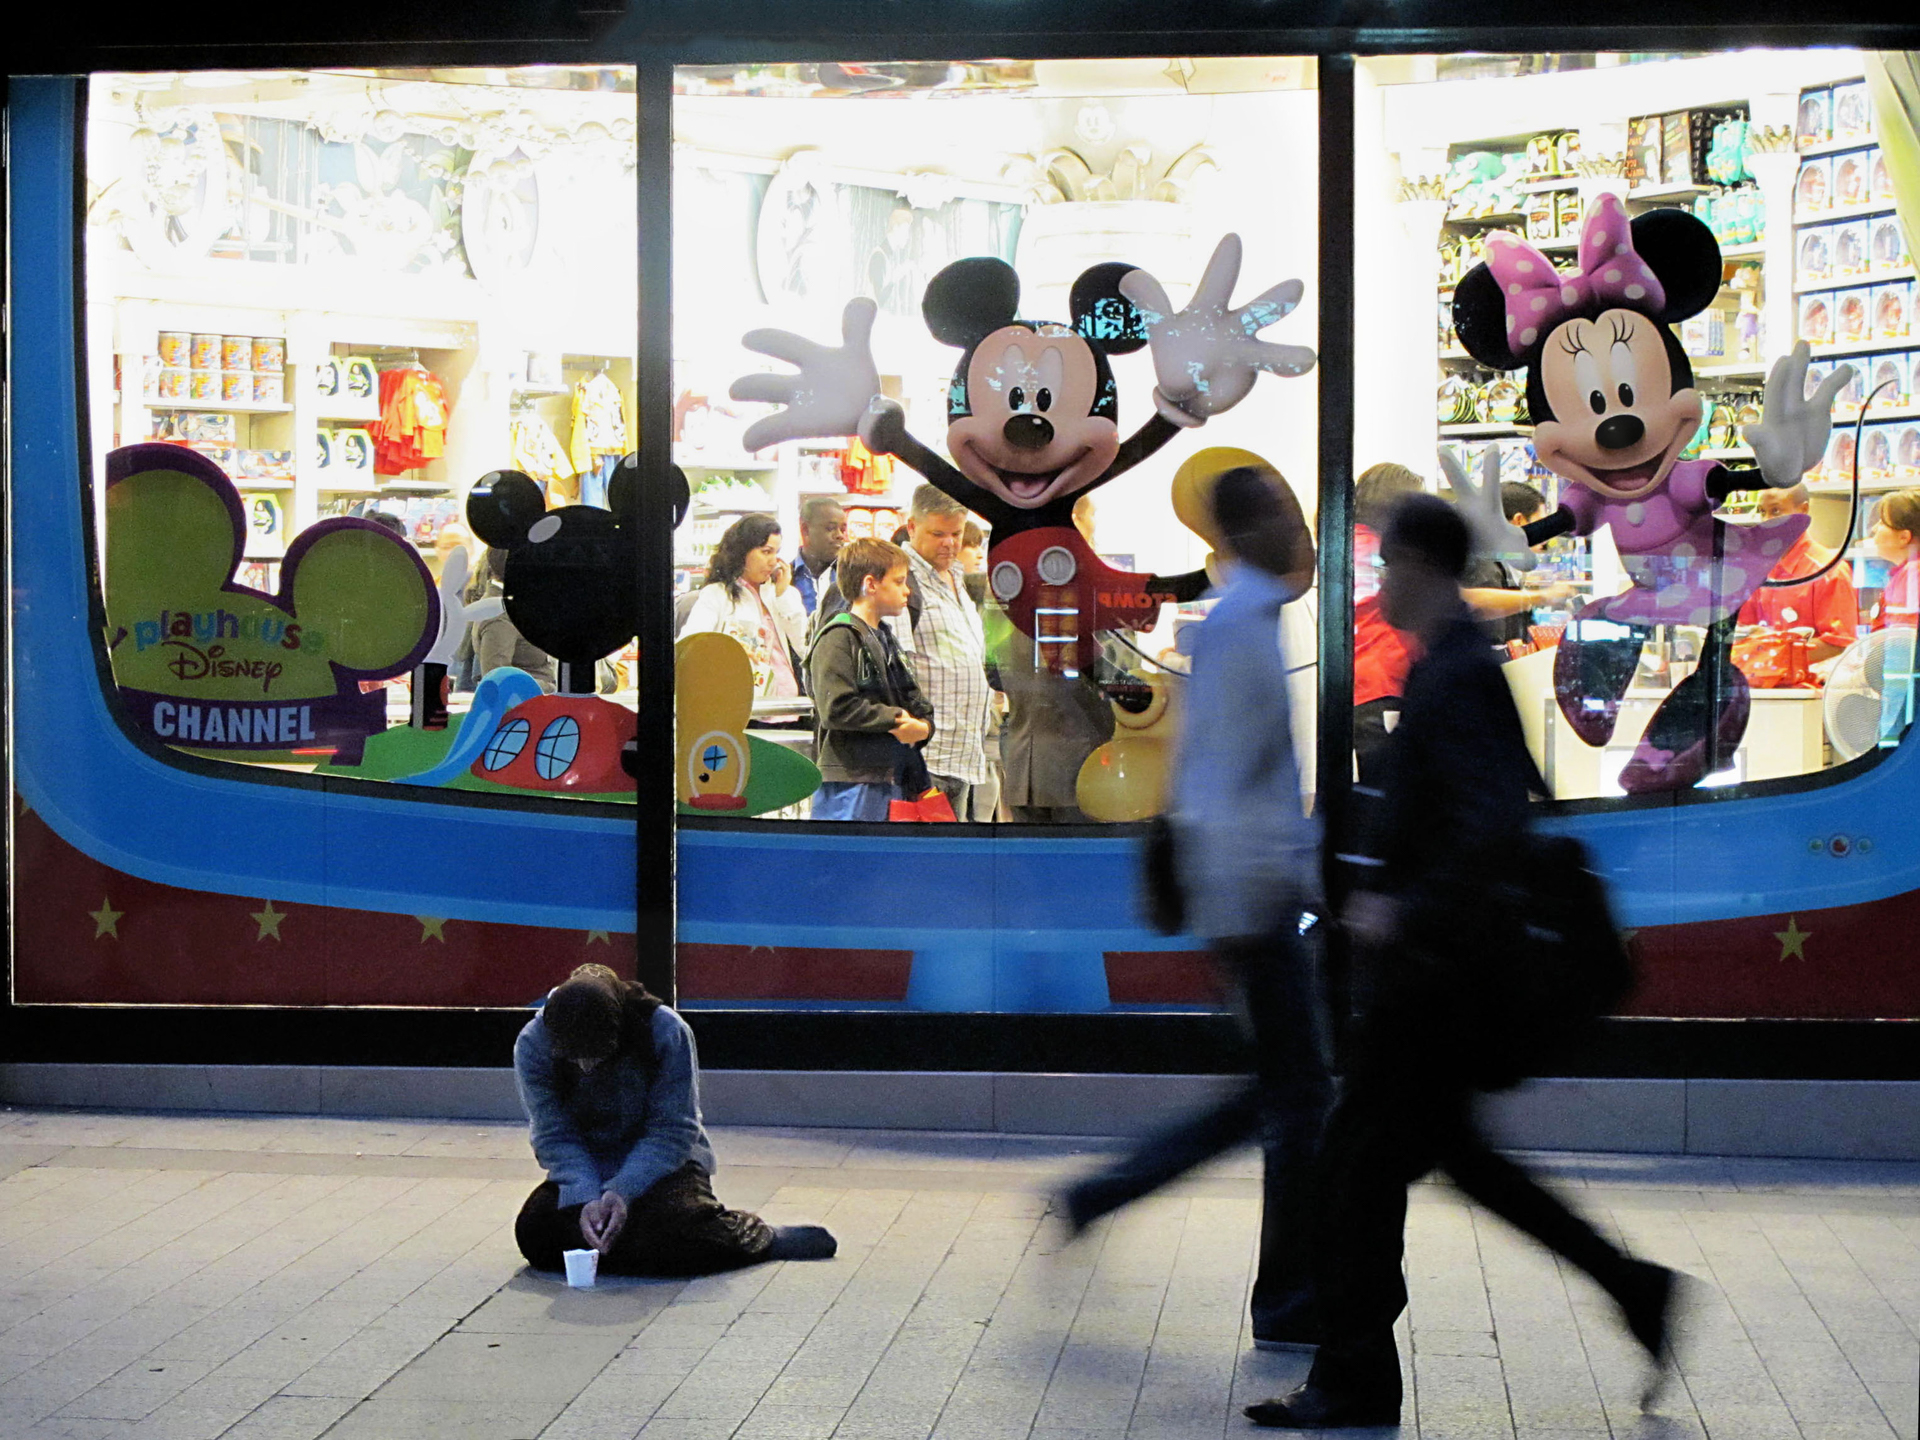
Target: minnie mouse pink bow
1538, 297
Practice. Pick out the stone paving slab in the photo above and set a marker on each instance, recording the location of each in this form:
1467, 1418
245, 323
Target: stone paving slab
180, 1277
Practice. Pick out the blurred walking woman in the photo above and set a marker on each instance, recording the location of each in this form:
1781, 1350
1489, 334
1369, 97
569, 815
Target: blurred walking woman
611, 1085
750, 595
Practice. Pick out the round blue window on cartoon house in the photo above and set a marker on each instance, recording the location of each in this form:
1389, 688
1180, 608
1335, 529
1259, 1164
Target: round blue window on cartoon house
508, 741
559, 743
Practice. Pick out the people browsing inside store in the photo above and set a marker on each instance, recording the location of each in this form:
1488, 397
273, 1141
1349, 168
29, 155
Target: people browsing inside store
823, 530
1382, 655
1826, 605
947, 650
1496, 592
869, 713
1895, 538
611, 1084
497, 642
750, 595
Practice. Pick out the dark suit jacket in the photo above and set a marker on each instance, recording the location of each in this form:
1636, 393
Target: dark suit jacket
1454, 810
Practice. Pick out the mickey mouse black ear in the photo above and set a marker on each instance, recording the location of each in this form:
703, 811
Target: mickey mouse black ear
971, 299
502, 506
1102, 316
623, 489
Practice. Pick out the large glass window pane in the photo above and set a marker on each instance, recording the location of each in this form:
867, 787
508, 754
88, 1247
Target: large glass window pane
980, 216
1711, 608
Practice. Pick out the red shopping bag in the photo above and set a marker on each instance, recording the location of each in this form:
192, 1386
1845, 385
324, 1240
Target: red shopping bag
931, 806
1774, 659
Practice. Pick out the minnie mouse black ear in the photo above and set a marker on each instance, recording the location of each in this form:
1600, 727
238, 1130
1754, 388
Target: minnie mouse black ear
1102, 316
1681, 250
1480, 319
502, 506
971, 299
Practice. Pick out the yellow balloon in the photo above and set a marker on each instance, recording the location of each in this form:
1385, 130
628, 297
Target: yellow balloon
1125, 779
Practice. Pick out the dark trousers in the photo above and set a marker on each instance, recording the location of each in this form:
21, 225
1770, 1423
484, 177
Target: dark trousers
1405, 1108
676, 1228
1370, 734
1283, 1103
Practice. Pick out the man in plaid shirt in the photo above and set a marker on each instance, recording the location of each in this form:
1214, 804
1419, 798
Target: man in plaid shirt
949, 656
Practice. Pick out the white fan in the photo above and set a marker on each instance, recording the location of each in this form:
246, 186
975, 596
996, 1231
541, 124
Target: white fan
1869, 698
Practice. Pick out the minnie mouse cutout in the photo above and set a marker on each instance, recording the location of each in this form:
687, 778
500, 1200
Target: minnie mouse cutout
1032, 416
1612, 398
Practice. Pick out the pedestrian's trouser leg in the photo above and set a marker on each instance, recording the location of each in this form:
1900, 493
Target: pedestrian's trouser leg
1492, 1180
545, 1229
1277, 981
679, 1228
1169, 1153
1378, 1141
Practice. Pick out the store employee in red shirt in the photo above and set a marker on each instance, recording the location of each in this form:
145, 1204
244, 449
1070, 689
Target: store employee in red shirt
1382, 655
1826, 604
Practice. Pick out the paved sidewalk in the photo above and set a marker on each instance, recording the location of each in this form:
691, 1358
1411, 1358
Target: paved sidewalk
187, 1277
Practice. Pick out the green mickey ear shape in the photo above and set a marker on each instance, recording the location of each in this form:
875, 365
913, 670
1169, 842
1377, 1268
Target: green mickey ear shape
174, 527
367, 591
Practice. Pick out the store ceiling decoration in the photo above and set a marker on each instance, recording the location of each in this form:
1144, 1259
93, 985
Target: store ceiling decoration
1063, 176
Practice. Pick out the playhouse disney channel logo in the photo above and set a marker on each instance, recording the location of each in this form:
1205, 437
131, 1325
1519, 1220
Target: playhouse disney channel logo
219, 645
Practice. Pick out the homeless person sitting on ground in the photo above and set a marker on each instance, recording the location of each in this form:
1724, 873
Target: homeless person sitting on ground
611, 1084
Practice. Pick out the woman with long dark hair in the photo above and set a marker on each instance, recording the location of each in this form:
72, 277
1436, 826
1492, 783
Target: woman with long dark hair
611, 1085
750, 595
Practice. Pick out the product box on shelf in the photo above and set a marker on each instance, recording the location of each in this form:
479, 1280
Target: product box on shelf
1704, 336
1676, 148
236, 352
1880, 186
1816, 318
1813, 256
1852, 316
176, 349
1913, 376
1566, 207
1813, 188
1838, 465
1906, 452
1852, 112
1542, 216
1853, 394
204, 353
1886, 243
1814, 125
1889, 370
1645, 160
1852, 254
236, 386
1817, 371
1852, 178
269, 352
1893, 310
1876, 454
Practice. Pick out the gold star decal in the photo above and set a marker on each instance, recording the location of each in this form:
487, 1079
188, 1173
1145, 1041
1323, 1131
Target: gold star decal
1793, 939
269, 921
432, 928
106, 920
600, 935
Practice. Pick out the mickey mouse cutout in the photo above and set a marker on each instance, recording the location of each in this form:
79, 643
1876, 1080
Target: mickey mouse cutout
571, 583
1612, 397
1032, 415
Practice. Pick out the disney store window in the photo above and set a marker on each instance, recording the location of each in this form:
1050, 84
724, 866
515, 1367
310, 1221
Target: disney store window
1005, 318
1650, 320
354, 341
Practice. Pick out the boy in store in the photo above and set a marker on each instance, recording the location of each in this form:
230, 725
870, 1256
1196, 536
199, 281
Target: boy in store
867, 707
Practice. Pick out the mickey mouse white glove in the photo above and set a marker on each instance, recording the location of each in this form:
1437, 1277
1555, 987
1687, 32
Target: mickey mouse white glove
828, 396
1791, 435
1205, 357
455, 613
1494, 536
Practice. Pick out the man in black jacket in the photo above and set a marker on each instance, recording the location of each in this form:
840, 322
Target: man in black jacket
1451, 824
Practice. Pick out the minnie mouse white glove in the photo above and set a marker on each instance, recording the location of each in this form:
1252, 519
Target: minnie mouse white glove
1494, 536
1205, 357
455, 613
828, 396
1791, 435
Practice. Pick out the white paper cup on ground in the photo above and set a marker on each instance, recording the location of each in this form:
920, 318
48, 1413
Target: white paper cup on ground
582, 1266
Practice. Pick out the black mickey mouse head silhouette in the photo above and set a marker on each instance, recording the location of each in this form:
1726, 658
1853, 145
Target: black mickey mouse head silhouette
571, 583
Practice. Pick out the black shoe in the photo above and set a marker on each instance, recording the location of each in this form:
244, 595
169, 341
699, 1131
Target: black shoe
1312, 1408
1649, 1302
802, 1242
